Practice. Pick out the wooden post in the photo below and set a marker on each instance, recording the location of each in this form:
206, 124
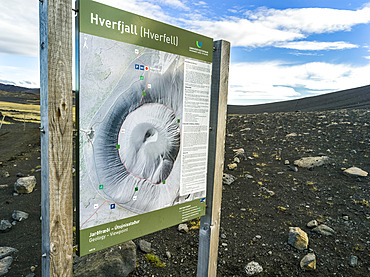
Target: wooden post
56, 136
210, 223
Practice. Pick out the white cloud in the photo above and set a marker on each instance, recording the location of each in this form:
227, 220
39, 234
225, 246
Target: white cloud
17, 75
19, 28
175, 3
200, 3
243, 32
316, 45
266, 27
275, 80
312, 20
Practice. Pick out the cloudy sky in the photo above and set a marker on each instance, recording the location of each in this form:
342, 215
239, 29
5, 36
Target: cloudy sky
281, 50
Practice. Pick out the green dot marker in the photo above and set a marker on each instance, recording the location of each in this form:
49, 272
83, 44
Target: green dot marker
136, 188
117, 146
164, 182
144, 92
141, 77
178, 121
100, 186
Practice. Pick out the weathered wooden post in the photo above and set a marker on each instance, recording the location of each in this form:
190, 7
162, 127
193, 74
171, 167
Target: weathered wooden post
210, 223
56, 136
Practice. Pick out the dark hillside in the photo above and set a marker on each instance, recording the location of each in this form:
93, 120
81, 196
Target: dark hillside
356, 98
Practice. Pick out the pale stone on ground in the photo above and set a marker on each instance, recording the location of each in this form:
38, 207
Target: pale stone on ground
7, 251
5, 264
232, 166
25, 184
308, 162
324, 230
298, 238
308, 262
253, 268
355, 172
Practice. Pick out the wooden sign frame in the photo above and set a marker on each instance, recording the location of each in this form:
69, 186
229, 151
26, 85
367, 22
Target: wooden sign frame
57, 144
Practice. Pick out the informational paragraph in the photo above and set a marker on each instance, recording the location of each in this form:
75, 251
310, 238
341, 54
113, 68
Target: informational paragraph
195, 126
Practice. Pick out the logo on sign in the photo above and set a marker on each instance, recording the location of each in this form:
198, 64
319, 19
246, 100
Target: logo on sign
199, 44
141, 67
136, 66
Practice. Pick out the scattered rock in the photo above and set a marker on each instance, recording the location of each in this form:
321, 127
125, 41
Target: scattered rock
298, 238
253, 268
267, 191
232, 166
323, 230
312, 224
119, 260
145, 246
308, 262
291, 135
228, 179
31, 275
19, 215
5, 264
236, 160
292, 168
286, 162
168, 255
355, 172
20, 174
248, 176
6, 174
5, 225
346, 217
353, 261
310, 162
25, 184
239, 152
183, 228
7, 251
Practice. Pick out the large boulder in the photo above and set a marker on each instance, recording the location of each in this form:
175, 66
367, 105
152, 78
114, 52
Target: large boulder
310, 162
117, 261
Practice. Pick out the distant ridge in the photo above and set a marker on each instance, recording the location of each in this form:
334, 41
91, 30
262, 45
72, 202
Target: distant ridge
356, 98
12, 88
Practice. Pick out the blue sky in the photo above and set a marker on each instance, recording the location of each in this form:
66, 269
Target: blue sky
281, 50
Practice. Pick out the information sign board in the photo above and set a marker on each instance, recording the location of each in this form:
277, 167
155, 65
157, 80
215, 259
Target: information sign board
143, 118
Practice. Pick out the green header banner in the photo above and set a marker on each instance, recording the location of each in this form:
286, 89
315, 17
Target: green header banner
108, 22
106, 235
